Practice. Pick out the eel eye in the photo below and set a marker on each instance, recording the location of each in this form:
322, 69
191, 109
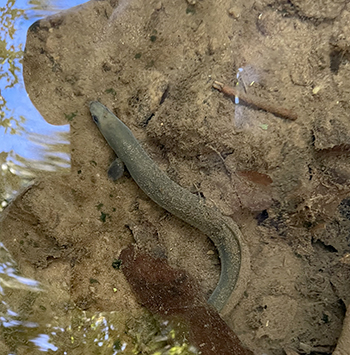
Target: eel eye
95, 118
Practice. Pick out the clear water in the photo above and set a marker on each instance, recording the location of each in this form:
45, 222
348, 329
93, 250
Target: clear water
38, 318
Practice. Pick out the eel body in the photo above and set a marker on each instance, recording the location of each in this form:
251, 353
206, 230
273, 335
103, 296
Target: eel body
223, 232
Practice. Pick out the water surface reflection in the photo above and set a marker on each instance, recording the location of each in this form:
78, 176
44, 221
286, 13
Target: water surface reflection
28, 144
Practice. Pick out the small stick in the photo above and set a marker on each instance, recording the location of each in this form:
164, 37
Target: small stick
220, 156
254, 101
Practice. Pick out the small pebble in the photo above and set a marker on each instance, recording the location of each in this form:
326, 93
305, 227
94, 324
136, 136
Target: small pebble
345, 259
316, 89
4, 167
234, 12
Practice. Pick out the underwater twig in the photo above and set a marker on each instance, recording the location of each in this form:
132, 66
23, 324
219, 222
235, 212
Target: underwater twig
254, 101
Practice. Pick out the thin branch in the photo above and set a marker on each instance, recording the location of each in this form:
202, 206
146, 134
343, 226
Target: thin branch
255, 101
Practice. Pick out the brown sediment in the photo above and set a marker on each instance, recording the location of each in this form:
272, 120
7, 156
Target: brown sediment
343, 346
174, 295
256, 177
255, 101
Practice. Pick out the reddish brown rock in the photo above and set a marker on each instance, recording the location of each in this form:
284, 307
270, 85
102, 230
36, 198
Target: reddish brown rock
173, 294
